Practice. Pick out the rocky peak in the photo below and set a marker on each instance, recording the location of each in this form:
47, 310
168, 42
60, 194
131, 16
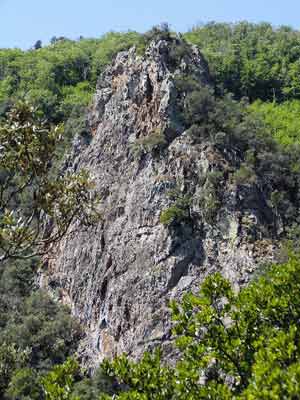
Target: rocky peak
142, 87
119, 276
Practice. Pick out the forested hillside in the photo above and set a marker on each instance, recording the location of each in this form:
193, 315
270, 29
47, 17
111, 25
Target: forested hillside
258, 62
232, 345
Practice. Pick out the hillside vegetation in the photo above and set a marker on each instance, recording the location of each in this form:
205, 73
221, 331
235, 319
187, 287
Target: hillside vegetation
231, 346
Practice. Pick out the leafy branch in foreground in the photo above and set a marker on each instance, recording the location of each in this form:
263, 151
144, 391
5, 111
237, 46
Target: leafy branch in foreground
36, 208
58, 383
231, 345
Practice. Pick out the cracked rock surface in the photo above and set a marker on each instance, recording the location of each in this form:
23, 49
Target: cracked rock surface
119, 276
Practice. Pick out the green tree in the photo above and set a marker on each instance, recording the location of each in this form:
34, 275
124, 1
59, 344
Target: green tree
37, 45
29, 195
43, 329
11, 359
231, 345
24, 385
58, 383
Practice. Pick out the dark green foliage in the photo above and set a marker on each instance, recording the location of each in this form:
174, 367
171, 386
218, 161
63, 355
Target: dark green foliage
36, 332
198, 105
253, 60
37, 45
91, 388
179, 211
11, 359
244, 175
156, 140
241, 346
208, 116
25, 385
30, 193
210, 198
158, 32
16, 284
147, 378
178, 48
173, 214
45, 328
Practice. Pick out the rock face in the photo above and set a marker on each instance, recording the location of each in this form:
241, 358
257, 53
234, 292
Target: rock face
119, 275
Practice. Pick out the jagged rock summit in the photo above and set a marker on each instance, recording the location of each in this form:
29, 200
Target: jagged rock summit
119, 276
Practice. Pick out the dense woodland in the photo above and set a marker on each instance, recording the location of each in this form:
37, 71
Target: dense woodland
255, 104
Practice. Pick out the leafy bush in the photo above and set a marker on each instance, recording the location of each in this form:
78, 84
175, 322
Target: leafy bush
179, 211
173, 214
234, 131
158, 32
45, 328
24, 385
90, 388
210, 198
146, 144
198, 105
58, 383
11, 359
244, 175
231, 345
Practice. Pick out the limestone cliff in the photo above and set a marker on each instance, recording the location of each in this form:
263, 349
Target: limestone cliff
119, 275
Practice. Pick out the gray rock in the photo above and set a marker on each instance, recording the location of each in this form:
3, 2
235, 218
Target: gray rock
119, 276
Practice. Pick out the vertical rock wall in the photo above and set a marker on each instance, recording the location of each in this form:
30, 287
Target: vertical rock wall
119, 275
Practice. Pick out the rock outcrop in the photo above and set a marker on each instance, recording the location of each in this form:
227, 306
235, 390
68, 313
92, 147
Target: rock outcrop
119, 276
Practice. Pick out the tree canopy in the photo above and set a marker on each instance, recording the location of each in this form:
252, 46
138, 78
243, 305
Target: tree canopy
253, 60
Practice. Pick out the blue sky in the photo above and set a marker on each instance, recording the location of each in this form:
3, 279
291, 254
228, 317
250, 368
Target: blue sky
23, 22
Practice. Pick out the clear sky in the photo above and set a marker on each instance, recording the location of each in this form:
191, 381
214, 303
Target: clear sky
23, 22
